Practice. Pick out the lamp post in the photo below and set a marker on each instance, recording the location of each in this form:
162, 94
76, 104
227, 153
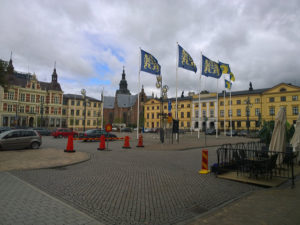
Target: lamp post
42, 113
249, 105
163, 93
83, 93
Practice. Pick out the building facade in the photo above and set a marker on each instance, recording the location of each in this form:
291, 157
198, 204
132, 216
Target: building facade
28, 102
81, 113
250, 107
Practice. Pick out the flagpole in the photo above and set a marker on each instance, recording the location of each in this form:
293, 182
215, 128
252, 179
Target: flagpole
102, 109
230, 113
199, 99
217, 108
138, 106
224, 111
74, 114
176, 108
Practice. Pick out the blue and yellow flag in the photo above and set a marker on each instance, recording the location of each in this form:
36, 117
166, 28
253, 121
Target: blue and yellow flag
232, 77
149, 63
228, 84
224, 68
210, 68
185, 60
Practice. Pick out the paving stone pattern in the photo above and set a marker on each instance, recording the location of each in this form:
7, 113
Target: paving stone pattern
21, 204
138, 187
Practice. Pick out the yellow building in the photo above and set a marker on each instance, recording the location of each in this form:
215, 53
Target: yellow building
258, 105
74, 112
153, 109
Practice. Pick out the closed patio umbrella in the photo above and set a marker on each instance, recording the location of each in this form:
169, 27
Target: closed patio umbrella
295, 142
278, 137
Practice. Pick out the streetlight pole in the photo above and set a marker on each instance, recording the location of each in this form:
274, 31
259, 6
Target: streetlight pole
83, 93
248, 113
42, 112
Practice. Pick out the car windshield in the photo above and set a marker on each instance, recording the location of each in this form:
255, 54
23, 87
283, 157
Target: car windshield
4, 133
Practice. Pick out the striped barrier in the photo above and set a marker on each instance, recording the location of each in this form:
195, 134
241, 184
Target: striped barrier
96, 139
204, 168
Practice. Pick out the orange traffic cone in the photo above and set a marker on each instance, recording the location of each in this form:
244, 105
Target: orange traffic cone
102, 143
70, 144
126, 142
140, 144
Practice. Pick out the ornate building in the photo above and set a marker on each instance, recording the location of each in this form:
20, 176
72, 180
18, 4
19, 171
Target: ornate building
122, 108
29, 102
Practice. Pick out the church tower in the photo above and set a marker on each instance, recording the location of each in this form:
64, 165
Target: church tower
123, 85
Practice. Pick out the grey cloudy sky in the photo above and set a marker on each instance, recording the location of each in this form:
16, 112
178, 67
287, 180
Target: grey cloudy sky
92, 40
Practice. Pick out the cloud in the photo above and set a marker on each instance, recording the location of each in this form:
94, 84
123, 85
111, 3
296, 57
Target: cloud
93, 40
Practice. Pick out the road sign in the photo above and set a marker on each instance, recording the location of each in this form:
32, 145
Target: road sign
108, 127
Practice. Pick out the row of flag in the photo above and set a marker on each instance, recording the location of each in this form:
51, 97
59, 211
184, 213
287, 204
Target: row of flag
210, 68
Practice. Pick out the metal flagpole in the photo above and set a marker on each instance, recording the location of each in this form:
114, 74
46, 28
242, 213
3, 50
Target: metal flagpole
230, 113
224, 111
74, 114
138, 106
199, 99
102, 109
217, 108
176, 110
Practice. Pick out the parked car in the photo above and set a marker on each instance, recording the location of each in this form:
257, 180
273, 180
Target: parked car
211, 131
2, 129
42, 131
126, 129
96, 133
243, 133
63, 132
234, 133
20, 139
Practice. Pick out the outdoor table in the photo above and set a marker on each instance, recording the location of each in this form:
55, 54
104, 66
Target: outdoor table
257, 165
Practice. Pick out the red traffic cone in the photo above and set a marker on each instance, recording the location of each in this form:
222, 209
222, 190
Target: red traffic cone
140, 144
102, 143
70, 144
126, 142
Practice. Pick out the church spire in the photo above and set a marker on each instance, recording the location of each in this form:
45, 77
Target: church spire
10, 67
123, 84
54, 74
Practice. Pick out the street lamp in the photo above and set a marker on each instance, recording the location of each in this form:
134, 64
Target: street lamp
42, 113
83, 93
249, 105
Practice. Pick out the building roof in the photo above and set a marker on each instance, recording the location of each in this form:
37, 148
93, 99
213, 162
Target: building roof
244, 92
125, 101
109, 102
80, 97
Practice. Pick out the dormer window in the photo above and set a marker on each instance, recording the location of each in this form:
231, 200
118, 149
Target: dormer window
33, 86
282, 89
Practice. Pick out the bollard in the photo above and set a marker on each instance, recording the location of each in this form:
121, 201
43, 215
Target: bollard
102, 143
126, 142
140, 143
70, 147
204, 167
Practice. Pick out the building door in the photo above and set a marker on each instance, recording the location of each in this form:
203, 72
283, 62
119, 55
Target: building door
31, 120
211, 125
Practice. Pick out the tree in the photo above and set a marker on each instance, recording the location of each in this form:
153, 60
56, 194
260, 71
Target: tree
3, 81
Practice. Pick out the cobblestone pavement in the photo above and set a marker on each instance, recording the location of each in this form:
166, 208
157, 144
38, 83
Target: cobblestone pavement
20, 203
137, 186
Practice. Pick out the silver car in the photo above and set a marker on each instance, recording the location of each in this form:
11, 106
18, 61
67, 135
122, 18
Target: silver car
20, 139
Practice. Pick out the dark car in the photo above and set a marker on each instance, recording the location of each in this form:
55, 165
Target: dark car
64, 132
243, 133
20, 139
234, 133
96, 133
42, 131
2, 129
126, 129
211, 131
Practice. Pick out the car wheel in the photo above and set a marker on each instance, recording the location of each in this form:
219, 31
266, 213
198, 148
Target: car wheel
35, 145
60, 136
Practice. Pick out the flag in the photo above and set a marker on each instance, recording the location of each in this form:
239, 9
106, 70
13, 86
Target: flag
149, 63
224, 68
228, 84
232, 77
210, 68
185, 60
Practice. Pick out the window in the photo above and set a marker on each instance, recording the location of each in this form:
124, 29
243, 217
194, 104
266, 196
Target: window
78, 103
11, 95
94, 122
204, 104
229, 112
295, 97
147, 115
71, 121
77, 122
247, 112
211, 104
182, 114
33, 86
165, 107
188, 105
147, 107
32, 98
229, 102
283, 98
64, 111
157, 107
182, 124
152, 107
9, 108
157, 115
42, 98
271, 99
188, 115
88, 122
282, 89
188, 124
72, 102
89, 113
55, 111
212, 113
257, 100
182, 105
221, 113
56, 100
196, 105
22, 109
238, 112
31, 109
238, 102
196, 114
238, 123
72, 112
295, 110
257, 112
204, 113
152, 115
95, 113
22, 97
272, 111
95, 104
77, 112
221, 103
